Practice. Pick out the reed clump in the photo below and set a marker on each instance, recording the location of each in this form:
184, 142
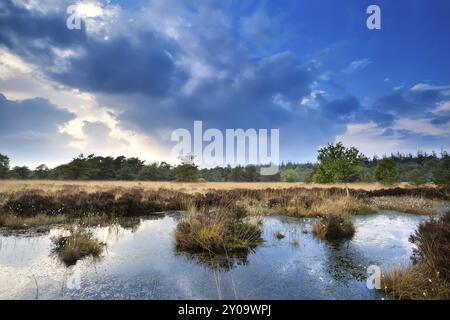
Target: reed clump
334, 227
76, 246
429, 276
220, 230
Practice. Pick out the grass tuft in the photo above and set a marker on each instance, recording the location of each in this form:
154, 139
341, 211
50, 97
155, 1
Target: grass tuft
76, 246
429, 276
334, 227
217, 231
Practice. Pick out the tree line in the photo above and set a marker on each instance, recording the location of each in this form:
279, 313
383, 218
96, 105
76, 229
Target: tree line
335, 163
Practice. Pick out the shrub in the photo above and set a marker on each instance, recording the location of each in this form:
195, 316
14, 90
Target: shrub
387, 172
416, 177
289, 175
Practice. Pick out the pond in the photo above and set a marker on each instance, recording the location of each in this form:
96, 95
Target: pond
142, 262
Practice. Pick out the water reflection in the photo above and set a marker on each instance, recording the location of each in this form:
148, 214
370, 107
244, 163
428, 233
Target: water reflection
141, 262
220, 262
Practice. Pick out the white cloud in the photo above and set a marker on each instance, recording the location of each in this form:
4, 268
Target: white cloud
369, 139
425, 86
44, 6
357, 65
11, 64
443, 108
423, 126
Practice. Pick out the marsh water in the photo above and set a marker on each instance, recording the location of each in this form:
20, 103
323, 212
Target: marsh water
141, 262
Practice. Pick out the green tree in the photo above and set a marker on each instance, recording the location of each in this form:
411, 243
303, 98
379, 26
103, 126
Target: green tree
76, 169
156, 172
441, 175
416, 177
187, 171
4, 166
289, 175
125, 173
387, 172
338, 164
41, 172
237, 174
20, 173
251, 173
429, 166
305, 172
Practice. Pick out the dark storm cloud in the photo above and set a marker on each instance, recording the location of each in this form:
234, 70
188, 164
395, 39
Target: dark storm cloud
383, 119
408, 102
30, 33
120, 66
282, 74
247, 99
113, 66
31, 115
341, 108
252, 92
29, 130
394, 102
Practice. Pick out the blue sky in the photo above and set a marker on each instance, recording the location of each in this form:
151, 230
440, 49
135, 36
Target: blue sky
139, 69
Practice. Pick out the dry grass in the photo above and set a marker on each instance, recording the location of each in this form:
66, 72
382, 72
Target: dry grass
429, 277
415, 283
342, 205
193, 187
407, 204
76, 246
97, 205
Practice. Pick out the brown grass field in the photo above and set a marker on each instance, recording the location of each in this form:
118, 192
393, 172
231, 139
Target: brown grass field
192, 187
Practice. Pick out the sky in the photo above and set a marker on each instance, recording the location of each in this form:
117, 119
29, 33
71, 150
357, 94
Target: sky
137, 70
